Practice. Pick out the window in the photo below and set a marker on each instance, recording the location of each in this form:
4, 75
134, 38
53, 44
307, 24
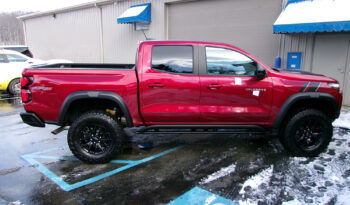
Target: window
2, 58
175, 59
15, 58
221, 61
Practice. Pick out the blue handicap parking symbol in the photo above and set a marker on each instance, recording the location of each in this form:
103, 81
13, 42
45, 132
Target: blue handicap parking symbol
31, 158
199, 196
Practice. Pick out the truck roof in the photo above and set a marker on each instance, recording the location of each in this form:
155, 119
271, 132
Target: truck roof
207, 43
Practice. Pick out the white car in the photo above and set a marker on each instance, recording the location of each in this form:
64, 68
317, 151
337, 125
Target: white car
12, 64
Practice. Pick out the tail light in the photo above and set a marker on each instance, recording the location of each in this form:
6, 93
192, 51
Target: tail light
26, 95
25, 81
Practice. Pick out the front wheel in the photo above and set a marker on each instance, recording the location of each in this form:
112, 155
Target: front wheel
307, 133
95, 137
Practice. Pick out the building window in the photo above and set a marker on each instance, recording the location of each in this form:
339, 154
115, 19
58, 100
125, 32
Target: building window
221, 61
174, 59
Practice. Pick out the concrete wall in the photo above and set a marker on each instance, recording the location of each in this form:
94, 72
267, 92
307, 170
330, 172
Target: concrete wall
73, 36
92, 34
244, 23
300, 42
120, 40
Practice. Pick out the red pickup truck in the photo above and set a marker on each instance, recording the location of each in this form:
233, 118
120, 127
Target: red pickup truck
180, 87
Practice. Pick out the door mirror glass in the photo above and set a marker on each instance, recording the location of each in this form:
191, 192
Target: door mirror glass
260, 73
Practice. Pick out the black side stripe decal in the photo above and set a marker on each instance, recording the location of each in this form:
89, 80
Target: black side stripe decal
304, 87
314, 87
310, 87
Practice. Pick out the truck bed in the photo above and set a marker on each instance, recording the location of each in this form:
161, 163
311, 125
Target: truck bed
84, 66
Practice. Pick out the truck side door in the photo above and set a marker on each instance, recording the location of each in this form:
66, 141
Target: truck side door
169, 85
230, 91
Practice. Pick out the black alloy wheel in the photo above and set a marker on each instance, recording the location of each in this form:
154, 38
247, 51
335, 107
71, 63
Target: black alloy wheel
307, 133
95, 137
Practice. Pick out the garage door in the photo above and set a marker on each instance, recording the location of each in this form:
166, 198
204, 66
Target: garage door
243, 23
331, 53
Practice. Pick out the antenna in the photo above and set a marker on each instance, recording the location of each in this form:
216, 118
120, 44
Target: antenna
143, 31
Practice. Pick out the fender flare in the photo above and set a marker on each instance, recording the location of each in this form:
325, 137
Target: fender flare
302, 96
94, 95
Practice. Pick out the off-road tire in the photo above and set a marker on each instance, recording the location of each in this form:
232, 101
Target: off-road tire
92, 124
308, 127
14, 87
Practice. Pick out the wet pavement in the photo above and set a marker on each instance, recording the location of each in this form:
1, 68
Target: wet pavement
36, 167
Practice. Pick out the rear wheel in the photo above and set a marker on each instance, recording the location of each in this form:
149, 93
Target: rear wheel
307, 133
95, 137
14, 87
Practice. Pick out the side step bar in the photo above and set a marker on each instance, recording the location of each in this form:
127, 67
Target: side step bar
199, 129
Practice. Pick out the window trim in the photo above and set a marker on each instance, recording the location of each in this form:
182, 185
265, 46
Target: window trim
206, 62
194, 59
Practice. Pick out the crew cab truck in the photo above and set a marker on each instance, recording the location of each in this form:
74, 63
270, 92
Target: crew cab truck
180, 86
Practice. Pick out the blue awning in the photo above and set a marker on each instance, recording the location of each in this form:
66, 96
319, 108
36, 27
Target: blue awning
314, 16
136, 14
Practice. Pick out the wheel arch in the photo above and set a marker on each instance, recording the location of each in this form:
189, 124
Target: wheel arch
94, 96
321, 101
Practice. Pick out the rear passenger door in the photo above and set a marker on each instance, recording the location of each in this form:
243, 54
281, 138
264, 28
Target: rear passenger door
230, 91
169, 87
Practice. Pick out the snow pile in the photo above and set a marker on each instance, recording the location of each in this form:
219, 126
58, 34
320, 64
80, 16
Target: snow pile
293, 202
298, 180
258, 179
343, 120
344, 197
222, 172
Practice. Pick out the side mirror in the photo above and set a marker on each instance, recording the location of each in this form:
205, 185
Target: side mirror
260, 73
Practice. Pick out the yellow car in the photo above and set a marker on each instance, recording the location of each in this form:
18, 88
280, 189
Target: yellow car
12, 64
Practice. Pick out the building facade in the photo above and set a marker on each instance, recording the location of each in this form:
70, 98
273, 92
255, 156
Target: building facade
90, 33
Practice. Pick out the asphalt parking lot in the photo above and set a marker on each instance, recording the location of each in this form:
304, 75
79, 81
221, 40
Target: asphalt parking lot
36, 167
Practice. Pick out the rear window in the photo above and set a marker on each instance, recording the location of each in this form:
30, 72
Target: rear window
15, 58
174, 59
2, 58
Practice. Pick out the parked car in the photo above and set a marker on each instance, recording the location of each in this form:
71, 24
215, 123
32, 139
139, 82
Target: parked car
12, 64
181, 87
19, 48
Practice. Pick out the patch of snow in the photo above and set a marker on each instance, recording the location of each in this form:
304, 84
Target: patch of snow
15, 203
210, 199
247, 202
298, 180
222, 172
343, 120
344, 197
292, 202
258, 179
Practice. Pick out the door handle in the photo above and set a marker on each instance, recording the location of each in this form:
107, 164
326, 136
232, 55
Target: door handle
156, 85
214, 86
